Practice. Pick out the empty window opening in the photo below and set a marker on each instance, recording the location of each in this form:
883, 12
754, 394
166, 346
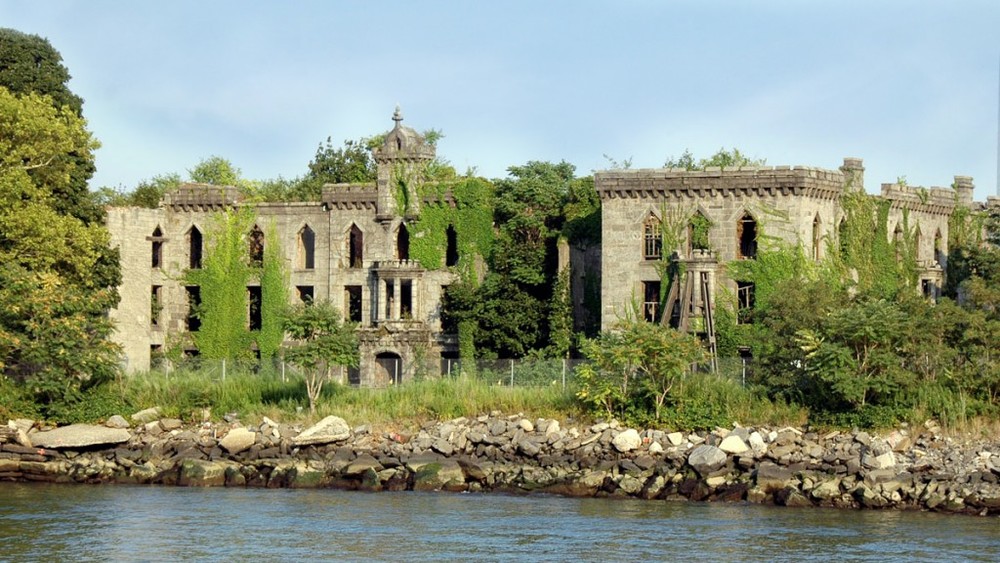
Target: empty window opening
256, 247
745, 300
697, 231
307, 248
450, 363
256, 298
352, 298
929, 289
897, 240
652, 239
817, 237
403, 243
157, 240
651, 301
451, 253
390, 298
155, 305
355, 247
194, 306
354, 376
306, 293
746, 237
406, 299
939, 256
389, 369
194, 248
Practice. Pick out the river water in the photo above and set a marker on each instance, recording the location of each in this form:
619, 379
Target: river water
131, 523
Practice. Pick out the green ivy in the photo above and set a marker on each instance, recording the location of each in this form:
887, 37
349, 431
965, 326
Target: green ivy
274, 296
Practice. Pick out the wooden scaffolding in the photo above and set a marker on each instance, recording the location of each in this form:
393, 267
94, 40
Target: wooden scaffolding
689, 308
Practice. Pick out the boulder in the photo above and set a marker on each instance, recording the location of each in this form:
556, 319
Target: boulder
361, 464
441, 474
117, 421
675, 438
147, 415
706, 459
330, 429
757, 444
237, 440
79, 436
201, 473
627, 440
733, 444
772, 477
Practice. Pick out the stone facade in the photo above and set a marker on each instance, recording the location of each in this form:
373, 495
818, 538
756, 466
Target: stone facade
796, 205
350, 248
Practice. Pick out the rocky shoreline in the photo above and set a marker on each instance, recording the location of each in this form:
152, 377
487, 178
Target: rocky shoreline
915, 469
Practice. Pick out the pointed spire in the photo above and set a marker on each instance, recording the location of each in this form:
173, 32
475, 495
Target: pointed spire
397, 116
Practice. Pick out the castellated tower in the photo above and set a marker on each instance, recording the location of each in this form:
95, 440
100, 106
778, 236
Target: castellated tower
400, 161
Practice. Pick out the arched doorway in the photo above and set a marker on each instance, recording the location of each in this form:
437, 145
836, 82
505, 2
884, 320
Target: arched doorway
388, 369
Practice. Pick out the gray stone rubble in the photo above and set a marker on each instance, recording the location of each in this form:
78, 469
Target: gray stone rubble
910, 468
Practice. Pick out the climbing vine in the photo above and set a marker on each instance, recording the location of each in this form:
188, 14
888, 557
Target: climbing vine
274, 296
223, 279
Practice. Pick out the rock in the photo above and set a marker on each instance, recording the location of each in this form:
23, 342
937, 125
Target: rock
526, 425
757, 444
330, 429
237, 440
883, 461
627, 440
169, 424
733, 444
655, 448
772, 477
117, 421
200, 473
706, 459
79, 436
147, 415
675, 438
361, 464
552, 427
441, 474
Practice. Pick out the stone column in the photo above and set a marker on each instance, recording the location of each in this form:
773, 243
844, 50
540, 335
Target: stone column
377, 314
396, 299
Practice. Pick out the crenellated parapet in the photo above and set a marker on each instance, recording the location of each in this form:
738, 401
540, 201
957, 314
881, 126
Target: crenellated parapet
350, 196
201, 197
934, 201
757, 181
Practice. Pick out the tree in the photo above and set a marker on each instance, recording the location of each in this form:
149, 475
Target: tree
59, 274
217, 171
632, 358
29, 64
322, 340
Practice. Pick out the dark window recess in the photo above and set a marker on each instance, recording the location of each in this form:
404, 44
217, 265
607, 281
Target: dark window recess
194, 248
352, 294
406, 299
745, 299
307, 248
355, 247
403, 243
157, 240
651, 301
746, 237
817, 237
155, 305
256, 247
450, 363
194, 306
390, 297
306, 294
451, 253
353, 376
256, 297
449, 324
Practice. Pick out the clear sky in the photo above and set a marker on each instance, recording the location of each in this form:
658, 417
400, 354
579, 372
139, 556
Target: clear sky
911, 86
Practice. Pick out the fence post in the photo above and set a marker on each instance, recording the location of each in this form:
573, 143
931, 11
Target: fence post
512, 372
223, 369
283, 380
564, 373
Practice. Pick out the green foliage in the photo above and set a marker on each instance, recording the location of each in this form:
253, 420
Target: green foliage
722, 158
223, 279
29, 63
274, 279
633, 360
582, 213
322, 340
561, 318
471, 217
881, 268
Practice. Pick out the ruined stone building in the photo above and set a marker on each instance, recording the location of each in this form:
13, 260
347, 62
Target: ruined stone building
724, 214
351, 248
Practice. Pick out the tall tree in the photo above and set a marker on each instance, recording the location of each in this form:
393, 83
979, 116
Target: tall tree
29, 64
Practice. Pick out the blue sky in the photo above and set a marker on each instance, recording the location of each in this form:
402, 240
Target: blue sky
910, 87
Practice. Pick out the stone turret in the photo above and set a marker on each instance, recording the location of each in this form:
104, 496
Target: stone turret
854, 174
400, 162
964, 189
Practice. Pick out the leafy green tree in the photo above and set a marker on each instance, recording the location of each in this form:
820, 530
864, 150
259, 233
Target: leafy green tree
322, 340
217, 171
635, 358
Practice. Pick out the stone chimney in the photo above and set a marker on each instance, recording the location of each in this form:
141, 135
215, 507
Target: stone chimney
964, 189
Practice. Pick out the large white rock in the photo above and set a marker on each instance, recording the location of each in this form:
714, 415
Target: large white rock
733, 444
627, 440
675, 438
147, 415
706, 459
757, 444
238, 440
330, 429
79, 436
